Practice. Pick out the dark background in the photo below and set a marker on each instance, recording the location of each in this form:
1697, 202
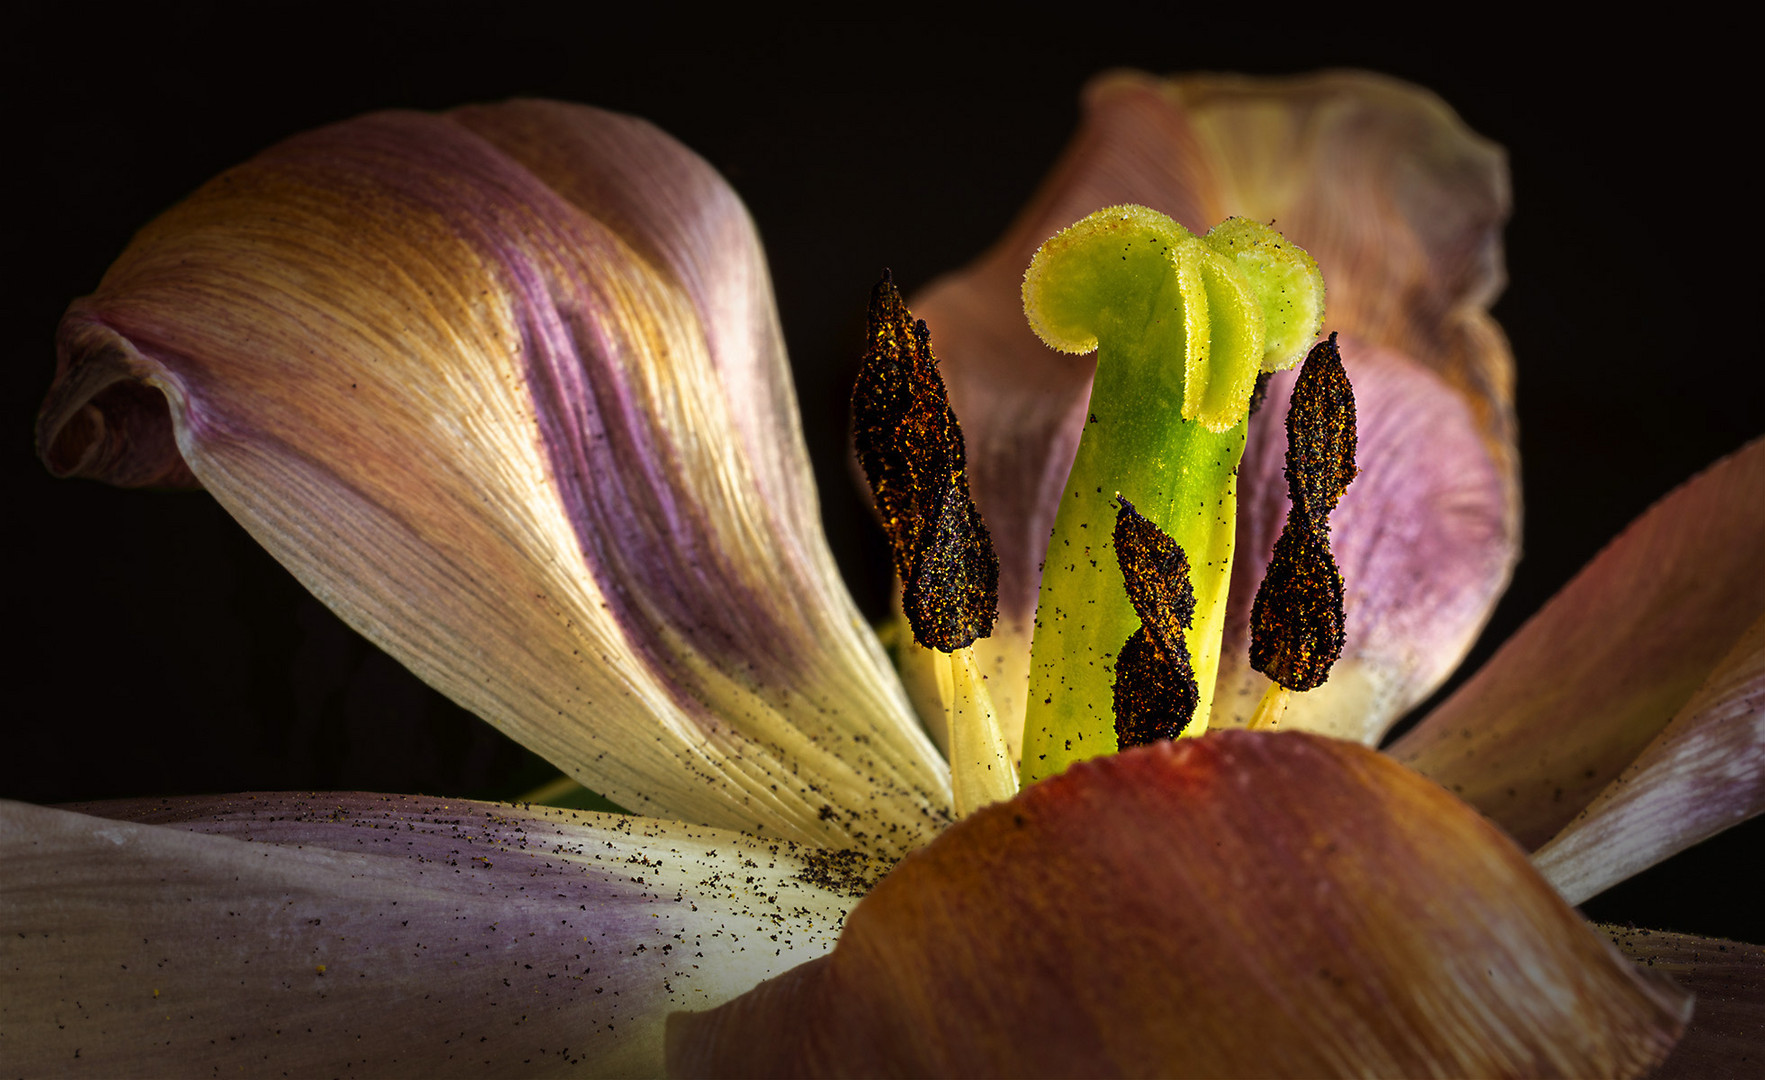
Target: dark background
160, 651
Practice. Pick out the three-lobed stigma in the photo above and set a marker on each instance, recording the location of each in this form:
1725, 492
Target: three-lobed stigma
1183, 326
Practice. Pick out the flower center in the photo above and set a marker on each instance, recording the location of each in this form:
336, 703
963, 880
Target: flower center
1132, 604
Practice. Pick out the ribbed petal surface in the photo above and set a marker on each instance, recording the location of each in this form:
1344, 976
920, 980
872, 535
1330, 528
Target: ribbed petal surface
1703, 773
1242, 904
505, 389
1569, 702
380, 935
1400, 204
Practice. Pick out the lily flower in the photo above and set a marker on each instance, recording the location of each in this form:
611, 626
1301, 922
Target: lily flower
505, 388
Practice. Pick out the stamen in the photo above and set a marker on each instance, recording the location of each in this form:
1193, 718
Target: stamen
981, 771
911, 449
1297, 625
1155, 691
1270, 709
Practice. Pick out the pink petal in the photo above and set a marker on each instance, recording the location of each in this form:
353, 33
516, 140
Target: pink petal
381, 935
1420, 536
506, 390
1704, 772
1239, 904
1402, 207
1572, 700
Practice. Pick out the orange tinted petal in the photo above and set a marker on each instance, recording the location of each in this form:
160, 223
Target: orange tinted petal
1238, 904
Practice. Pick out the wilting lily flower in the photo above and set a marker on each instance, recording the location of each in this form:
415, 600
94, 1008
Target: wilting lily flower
506, 390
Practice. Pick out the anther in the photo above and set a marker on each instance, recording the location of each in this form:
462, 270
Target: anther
1297, 625
911, 449
1155, 690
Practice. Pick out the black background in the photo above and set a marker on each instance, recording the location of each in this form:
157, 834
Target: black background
160, 651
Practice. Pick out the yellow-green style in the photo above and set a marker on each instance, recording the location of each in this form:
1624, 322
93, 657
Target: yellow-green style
1181, 326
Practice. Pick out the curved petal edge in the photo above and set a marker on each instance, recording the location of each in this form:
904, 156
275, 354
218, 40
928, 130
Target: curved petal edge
1239, 904
505, 389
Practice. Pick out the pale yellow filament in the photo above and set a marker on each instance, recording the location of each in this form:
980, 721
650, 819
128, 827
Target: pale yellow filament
980, 769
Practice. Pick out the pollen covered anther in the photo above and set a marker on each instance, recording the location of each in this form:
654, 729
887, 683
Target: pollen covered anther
911, 449
1155, 690
1297, 625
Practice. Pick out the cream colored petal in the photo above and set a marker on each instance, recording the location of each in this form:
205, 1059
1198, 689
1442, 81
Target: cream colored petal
1571, 700
1240, 904
1726, 1038
538, 442
1420, 537
1400, 204
379, 935
1704, 772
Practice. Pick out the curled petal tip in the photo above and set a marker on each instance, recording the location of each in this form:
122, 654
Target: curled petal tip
505, 388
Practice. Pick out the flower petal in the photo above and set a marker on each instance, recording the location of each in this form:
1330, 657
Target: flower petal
1420, 537
1704, 772
1399, 203
382, 935
538, 442
1571, 700
1298, 906
1727, 1033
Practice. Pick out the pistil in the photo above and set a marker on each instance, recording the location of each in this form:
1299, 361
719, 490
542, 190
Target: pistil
1182, 325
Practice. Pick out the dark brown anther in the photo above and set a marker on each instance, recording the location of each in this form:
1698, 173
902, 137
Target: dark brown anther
1320, 433
1155, 691
1297, 625
911, 449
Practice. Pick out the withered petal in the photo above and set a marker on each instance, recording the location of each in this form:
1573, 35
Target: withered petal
1571, 700
384, 935
1702, 774
506, 390
1238, 904
1726, 1038
1420, 539
1400, 204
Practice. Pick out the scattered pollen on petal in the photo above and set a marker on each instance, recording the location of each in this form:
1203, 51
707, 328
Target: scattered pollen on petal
910, 446
1155, 690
